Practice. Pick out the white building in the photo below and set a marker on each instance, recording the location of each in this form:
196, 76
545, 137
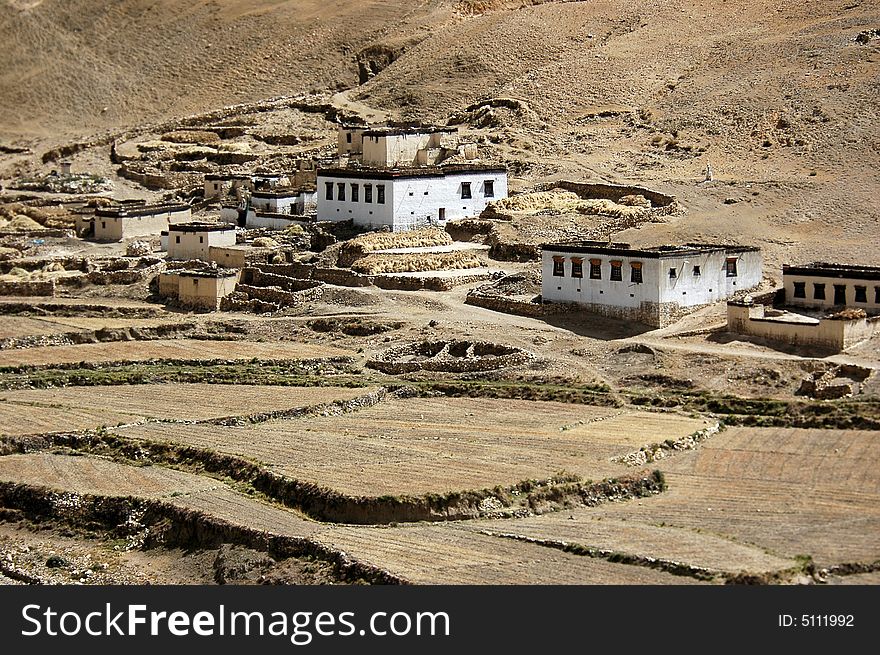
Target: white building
404, 199
277, 201
385, 147
823, 286
194, 240
285, 201
654, 286
117, 223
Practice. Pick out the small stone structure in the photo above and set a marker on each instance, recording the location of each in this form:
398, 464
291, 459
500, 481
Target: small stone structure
448, 356
833, 333
837, 382
201, 289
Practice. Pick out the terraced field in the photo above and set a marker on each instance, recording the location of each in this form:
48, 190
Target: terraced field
91, 475
788, 491
184, 349
580, 527
427, 554
78, 408
424, 445
24, 326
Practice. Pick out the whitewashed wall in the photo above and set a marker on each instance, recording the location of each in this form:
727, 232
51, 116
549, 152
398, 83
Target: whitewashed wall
411, 202
195, 245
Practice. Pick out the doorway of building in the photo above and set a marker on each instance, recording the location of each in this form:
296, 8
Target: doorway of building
441, 214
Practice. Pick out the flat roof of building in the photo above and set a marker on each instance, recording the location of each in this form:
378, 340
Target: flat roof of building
197, 226
366, 172
206, 273
140, 210
277, 192
825, 269
227, 176
403, 131
652, 252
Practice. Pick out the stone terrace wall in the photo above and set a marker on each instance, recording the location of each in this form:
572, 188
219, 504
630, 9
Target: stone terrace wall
28, 288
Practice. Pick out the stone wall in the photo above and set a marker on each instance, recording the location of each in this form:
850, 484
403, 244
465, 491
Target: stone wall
159, 180
259, 278
647, 313
475, 356
414, 283
660, 202
240, 302
279, 296
28, 288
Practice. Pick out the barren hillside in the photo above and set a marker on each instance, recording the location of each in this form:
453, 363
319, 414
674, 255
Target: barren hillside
779, 97
77, 66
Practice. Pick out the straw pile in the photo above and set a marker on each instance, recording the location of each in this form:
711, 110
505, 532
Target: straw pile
416, 262
361, 246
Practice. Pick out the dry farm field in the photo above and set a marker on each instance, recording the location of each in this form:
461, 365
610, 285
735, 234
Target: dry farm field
92, 475
788, 491
435, 445
431, 554
180, 349
76, 408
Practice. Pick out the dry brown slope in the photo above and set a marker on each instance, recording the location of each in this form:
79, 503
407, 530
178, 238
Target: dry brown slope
64, 62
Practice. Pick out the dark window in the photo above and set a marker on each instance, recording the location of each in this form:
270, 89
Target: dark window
103, 225
558, 267
861, 294
354, 192
489, 188
201, 239
465, 190
329, 186
800, 289
595, 269
380, 194
818, 292
839, 294
348, 137
176, 239
577, 268
877, 294
368, 193
731, 267
340, 191
617, 271
636, 272
673, 274
697, 271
